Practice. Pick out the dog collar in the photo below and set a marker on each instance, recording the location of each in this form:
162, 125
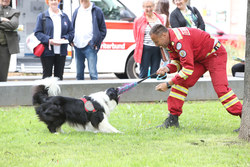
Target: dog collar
88, 105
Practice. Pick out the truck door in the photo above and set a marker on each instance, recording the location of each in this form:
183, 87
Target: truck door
118, 45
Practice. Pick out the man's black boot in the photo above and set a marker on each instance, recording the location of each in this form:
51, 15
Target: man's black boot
172, 120
237, 130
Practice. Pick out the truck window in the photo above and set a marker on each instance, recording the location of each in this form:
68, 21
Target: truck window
114, 10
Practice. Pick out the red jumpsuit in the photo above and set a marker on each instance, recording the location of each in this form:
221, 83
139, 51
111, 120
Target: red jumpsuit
192, 53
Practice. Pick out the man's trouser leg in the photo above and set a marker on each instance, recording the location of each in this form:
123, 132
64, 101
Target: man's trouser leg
4, 62
217, 68
179, 92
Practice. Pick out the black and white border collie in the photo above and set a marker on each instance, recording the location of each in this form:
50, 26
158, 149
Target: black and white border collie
89, 113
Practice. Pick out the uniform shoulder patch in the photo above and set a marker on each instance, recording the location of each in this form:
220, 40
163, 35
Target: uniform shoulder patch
184, 31
182, 53
178, 46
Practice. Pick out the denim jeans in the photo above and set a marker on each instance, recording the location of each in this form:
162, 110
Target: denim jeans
91, 56
151, 57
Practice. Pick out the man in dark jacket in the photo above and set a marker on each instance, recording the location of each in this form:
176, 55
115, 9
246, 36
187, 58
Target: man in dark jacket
9, 41
90, 30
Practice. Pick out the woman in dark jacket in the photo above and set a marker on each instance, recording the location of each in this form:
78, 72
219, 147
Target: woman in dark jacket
186, 16
55, 31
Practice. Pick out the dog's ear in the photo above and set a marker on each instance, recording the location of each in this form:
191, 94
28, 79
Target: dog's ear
112, 93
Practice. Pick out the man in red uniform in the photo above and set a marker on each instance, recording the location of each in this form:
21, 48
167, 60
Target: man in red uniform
192, 53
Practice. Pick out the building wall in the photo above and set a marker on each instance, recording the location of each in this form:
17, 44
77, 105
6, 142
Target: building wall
228, 15
238, 16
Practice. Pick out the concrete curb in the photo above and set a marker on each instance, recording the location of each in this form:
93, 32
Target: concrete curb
20, 93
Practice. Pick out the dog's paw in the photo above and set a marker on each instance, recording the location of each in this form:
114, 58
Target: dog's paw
117, 131
59, 130
121, 132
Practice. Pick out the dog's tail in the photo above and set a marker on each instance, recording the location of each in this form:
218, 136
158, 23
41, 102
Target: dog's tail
45, 88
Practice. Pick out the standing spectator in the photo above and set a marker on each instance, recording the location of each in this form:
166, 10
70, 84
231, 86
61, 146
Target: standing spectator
90, 30
9, 40
58, 28
186, 16
146, 53
162, 8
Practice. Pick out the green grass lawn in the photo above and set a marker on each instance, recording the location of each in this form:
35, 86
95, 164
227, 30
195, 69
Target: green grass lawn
205, 138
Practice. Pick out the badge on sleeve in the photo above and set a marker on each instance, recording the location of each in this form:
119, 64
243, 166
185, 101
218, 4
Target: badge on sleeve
178, 46
182, 53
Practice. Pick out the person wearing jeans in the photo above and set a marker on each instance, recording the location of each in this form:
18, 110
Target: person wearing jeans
146, 53
90, 30
91, 56
151, 58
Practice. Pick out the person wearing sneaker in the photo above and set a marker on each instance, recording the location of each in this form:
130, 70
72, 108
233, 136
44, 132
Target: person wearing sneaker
192, 53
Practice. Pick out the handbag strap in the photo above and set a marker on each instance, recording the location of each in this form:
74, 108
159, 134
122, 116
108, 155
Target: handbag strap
44, 20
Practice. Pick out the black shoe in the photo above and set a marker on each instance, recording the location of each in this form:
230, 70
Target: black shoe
172, 120
237, 130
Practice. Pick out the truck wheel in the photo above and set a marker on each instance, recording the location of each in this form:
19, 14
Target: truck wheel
121, 75
132, 68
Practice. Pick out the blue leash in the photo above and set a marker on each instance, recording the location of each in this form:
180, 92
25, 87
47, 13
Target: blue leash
159, 77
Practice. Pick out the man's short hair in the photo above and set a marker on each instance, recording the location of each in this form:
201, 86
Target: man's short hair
158, 29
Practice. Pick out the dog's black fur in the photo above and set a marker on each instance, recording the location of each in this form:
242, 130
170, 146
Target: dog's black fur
54, 111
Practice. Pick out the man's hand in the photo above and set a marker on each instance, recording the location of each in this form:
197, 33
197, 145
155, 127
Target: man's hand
161, 71
162, 87
3, 19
